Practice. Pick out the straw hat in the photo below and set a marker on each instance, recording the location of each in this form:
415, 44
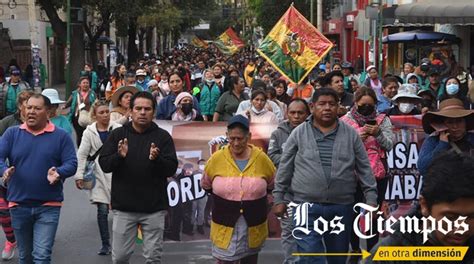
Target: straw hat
120, 91
449, 108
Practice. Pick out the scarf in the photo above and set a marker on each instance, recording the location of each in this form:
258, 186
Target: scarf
178, 116
362, 119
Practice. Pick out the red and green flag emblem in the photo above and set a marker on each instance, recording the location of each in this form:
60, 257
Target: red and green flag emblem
228, 42
294, 46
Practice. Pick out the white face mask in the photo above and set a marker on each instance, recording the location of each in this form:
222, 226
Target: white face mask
406, 107
257, 111
201, 167
178, 171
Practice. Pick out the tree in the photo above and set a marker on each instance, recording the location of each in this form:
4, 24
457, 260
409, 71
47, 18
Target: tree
103, 16
171, 17
51, 8
269, 11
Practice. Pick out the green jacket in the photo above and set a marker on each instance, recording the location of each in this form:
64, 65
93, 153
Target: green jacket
8, 96
43, 75
72, 111
208, 98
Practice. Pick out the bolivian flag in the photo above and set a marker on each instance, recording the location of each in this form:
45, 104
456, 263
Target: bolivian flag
294, 46
229, 43
199, 43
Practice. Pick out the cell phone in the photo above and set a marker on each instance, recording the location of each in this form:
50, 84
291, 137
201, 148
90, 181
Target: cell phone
371, 122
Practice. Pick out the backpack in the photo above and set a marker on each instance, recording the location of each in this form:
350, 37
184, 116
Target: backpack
377, 156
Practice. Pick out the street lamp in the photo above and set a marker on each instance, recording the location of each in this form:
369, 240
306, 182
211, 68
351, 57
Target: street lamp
377, 4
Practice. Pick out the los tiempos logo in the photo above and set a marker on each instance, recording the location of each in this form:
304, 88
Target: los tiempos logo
408, 224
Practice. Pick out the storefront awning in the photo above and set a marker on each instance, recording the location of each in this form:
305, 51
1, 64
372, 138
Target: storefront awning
457, 12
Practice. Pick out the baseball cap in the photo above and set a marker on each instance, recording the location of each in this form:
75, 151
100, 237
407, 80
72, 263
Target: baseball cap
15, 72
238, 120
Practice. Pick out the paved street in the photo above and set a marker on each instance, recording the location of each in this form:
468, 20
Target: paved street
77, 240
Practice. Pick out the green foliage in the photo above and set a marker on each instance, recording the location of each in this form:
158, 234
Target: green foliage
268, 12
165, 17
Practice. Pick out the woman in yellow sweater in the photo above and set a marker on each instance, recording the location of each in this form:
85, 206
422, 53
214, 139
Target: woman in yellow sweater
239, 176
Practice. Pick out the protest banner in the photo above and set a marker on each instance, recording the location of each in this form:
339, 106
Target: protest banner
196, 141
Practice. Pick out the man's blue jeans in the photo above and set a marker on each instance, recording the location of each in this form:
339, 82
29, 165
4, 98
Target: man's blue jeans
35, 230
325, 243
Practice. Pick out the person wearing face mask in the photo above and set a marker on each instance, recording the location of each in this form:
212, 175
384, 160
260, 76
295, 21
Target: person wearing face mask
142, 80
167, 105
375, 130
209, 94
184, 109
258, 112
454, 89
405, 102
450, 128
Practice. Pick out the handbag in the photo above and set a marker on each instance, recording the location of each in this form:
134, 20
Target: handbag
84, 117
89, 178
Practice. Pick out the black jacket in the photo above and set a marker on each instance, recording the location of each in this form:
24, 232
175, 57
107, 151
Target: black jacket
139, 184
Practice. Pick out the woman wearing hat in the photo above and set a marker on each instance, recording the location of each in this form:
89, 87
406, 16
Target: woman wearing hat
121, 104
405, 102
450, 129
57, 119
184, 108
94, 137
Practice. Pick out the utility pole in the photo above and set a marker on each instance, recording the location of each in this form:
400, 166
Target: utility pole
380, 39
311, 6
68, 48
35, 49
319, 6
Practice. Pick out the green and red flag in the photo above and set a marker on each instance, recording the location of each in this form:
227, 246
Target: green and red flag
199, 43
228, 42
294, 46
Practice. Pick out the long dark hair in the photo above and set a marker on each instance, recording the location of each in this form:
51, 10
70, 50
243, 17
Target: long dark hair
116, 74
365, 91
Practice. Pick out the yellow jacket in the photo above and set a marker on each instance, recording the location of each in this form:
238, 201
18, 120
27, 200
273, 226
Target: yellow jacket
224, 177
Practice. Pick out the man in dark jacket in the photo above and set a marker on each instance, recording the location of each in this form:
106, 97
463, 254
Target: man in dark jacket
298, 111
446, 193
140, 156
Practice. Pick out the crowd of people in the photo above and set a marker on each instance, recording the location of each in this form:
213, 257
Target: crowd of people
334, 130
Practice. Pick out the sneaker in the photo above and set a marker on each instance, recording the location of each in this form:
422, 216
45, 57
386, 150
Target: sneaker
8, 251
105, 250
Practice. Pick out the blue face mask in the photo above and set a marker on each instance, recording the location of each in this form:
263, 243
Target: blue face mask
452, 89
